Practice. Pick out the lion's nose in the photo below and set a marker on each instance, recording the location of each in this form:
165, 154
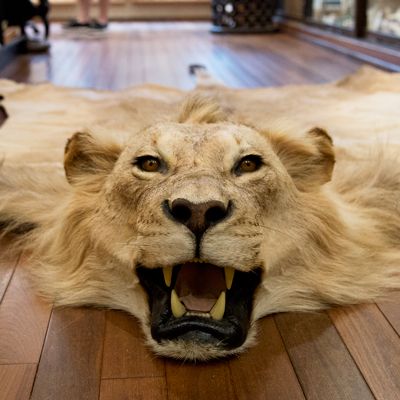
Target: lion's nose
198, 216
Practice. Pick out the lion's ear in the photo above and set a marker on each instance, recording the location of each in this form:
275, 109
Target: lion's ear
308, 160
85, 155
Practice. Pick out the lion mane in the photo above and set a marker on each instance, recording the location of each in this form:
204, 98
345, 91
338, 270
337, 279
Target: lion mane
321, 225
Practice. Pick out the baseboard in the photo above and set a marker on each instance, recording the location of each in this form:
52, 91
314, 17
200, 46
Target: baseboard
379, 55
137, 11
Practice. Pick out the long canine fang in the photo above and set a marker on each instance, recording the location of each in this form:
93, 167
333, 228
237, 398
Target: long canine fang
178, 309
167, 272
229, 275
218, 310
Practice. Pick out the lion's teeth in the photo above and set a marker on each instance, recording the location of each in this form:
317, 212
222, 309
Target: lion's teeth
178, 309
229, 274
198, 260
218, 310
167, 272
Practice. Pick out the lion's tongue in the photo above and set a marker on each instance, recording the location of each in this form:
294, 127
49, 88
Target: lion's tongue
199, 285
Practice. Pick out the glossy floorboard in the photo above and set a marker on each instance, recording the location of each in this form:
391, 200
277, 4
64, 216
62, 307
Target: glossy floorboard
63, 354
135, 53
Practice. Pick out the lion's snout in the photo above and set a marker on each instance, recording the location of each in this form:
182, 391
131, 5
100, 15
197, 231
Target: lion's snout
197, 217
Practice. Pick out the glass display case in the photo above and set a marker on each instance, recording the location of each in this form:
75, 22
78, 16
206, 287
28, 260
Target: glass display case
375, 20
339, 13
383, 17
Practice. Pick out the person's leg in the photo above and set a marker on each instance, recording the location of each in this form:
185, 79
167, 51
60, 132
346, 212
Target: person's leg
103, 15
83, 11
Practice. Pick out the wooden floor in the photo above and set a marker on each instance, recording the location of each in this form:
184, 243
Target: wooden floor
131, 54
73, 354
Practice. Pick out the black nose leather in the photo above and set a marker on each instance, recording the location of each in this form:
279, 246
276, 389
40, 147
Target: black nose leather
198, 216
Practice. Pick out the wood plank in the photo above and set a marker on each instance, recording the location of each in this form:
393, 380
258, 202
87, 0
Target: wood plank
125, 352
199, 381
133, 389
70, 364
16, 381
320, 358
23, 321
374, 345
391, 310
7, 267
265, 372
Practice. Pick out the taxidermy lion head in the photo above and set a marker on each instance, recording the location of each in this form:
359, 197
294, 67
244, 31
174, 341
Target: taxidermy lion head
201, 226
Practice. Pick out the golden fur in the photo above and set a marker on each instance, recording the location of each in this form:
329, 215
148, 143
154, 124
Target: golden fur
324, 235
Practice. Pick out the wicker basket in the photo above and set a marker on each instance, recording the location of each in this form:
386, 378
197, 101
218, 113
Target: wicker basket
243, 16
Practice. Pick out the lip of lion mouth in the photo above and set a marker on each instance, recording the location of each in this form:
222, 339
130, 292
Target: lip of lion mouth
200, 302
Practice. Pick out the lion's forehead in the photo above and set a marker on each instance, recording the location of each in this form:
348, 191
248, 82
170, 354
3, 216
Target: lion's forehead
215, 141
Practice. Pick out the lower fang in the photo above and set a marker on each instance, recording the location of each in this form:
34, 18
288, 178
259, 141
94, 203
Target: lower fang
178, 309
218, 310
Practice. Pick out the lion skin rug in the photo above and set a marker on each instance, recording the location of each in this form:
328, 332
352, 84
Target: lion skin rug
201, 212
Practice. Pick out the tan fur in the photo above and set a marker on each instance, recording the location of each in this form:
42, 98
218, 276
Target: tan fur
319, 241
198, 109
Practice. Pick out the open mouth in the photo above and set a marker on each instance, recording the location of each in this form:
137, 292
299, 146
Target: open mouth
200, 302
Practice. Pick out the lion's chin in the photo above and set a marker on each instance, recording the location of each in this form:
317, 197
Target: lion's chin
196, 351
198, 311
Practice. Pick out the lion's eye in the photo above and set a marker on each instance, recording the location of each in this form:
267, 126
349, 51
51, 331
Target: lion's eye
148, 163
247, 164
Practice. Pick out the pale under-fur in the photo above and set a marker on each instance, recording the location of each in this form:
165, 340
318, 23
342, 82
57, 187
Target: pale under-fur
325, 231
